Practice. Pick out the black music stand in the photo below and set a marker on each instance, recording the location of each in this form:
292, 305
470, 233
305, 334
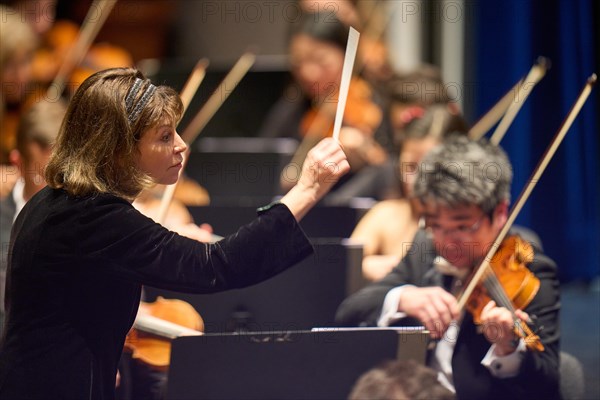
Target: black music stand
320, 222
242, 170
302, 297
285, 365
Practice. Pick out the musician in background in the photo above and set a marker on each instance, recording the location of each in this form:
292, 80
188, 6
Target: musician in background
370, 18
17, 44
36, 135
464, 188
306, 111
388, 228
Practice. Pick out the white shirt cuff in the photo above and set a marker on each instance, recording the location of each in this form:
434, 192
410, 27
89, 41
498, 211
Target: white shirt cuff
389, 312
504, 366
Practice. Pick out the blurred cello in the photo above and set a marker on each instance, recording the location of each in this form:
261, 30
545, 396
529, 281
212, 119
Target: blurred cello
158, 323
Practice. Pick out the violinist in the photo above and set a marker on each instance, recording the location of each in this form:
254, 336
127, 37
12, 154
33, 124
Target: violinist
386, 228
371, 19
306, 110
79, 251
465, 206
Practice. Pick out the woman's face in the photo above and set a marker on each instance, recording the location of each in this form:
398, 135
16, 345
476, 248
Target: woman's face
161, 153
317, 67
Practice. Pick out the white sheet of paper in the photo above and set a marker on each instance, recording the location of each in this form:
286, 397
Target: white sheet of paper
351, 48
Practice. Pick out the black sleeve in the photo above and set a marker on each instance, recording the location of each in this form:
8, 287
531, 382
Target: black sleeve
115, 238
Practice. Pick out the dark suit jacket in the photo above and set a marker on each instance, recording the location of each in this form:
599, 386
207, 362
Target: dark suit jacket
538, 377
76, 266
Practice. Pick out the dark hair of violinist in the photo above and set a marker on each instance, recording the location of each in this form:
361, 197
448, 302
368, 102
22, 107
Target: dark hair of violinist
464, 190
425, 129
80, 253
409, 95
316, 50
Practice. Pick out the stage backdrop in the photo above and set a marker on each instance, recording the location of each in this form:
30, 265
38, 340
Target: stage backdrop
508, 36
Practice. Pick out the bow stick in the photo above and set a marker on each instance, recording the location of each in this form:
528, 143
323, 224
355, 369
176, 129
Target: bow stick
95, 18
212, 105
193, 82
500, 109
187, 94
536, 73
535, 177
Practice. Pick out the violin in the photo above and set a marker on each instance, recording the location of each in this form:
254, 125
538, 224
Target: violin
510, 284
484, 272
361, 112
150, 338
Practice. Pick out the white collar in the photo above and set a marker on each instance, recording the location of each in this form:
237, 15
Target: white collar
17, 194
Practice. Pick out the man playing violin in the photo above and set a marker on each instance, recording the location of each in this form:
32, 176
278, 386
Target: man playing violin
464, 188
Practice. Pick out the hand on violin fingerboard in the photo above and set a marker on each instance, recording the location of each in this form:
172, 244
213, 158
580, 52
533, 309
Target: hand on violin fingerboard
497, 325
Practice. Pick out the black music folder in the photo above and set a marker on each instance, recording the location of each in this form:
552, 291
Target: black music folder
321, 364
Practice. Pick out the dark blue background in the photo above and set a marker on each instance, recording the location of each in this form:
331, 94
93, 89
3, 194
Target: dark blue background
508, 37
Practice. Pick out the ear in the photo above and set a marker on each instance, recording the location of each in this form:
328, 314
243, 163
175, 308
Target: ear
501, 214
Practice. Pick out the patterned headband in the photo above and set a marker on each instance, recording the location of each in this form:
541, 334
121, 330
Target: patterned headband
134, 110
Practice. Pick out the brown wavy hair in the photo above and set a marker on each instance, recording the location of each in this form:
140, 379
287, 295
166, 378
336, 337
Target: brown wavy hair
96, 149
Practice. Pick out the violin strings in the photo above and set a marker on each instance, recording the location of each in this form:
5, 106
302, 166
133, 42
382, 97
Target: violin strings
499, 295
496, 291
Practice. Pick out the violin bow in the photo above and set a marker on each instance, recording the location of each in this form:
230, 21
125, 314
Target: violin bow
204, 115
536, 73
93, 22
509, 105
193, 83
535, 177
187, 94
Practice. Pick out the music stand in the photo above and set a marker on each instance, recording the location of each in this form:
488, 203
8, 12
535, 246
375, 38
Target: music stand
302, 297
284, 365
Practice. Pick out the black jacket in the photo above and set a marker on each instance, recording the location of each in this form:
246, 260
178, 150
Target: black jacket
76, 266
538, 377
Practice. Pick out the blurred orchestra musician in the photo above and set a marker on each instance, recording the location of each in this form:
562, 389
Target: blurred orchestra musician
388, 228
37, 131
478, 354
306, 110
18, 42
